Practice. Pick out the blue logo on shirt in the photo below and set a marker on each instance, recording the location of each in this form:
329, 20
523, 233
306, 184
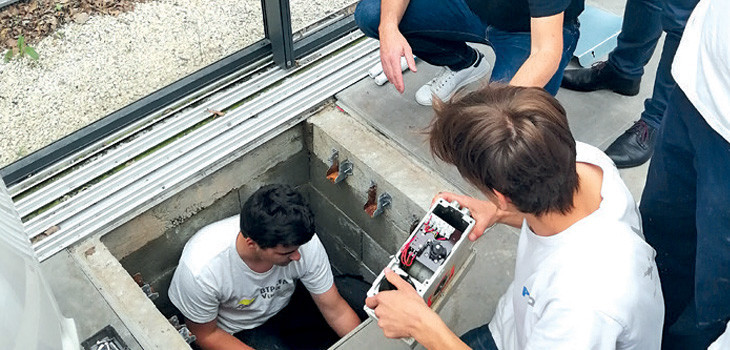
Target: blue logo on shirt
530, 300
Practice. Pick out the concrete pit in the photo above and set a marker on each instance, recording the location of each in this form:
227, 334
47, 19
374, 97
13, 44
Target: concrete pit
151, 244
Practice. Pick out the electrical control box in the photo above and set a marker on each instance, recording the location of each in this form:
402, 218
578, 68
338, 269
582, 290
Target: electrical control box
435, 250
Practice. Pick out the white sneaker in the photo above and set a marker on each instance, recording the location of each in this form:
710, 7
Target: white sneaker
447, 82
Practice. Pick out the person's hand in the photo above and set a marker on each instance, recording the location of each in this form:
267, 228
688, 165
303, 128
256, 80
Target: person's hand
393, 46
400, 312
483, 212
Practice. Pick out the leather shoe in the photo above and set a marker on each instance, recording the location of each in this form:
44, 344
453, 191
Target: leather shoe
600, 76
634, 147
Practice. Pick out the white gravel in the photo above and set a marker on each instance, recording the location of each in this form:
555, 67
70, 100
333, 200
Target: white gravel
89, 70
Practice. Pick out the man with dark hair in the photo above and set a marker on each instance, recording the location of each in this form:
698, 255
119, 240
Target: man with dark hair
584, 277
232, 281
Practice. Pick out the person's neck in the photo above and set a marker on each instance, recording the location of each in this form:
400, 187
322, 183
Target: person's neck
586, 200
250, 257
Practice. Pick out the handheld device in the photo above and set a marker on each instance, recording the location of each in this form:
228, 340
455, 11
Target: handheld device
435, 250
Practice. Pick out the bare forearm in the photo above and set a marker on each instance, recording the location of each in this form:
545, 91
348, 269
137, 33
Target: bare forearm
391, 12
342, 322
546, 51
537, 70
221, 340
433, 334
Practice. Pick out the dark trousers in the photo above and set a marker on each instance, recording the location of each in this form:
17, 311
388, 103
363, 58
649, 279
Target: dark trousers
685, 211
480, 338
300, 325
438, 30
644, 21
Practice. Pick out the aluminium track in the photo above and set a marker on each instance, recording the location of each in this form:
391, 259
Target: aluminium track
189, 145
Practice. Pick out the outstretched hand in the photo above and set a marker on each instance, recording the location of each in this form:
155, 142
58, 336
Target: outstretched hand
393, 46
400, 312
483, 212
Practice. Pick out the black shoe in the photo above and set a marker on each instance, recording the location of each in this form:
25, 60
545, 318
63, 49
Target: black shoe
634, 147
600, 76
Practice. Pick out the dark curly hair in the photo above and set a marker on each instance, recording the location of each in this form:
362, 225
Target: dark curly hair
277, 214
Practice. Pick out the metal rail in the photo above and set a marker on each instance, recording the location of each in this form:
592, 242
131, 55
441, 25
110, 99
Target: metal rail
174, 124
143, 184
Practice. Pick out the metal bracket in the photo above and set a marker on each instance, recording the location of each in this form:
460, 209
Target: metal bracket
182, 329
337, 171
146, 288
383, 201
345, 170
376, 207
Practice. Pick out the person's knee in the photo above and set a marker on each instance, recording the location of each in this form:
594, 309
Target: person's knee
367, 17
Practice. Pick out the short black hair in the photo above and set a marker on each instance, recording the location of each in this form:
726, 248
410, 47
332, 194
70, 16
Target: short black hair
277, 215
512, 139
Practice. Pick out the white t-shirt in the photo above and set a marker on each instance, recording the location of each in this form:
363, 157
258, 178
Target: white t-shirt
701, 65
592, 286
213, 281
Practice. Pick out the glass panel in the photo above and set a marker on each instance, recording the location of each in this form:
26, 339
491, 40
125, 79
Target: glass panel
97, 56
305, 13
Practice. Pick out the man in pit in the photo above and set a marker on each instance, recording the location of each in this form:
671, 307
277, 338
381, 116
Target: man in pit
236, 280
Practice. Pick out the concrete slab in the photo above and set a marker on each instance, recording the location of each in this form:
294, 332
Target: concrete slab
79, 299
399, 117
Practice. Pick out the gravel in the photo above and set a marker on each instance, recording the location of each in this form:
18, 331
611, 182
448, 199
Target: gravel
88, 70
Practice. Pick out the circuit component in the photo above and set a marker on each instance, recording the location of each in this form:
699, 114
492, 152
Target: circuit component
431, 242
435, 250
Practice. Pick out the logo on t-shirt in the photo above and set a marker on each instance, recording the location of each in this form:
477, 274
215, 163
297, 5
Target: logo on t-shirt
526, 293
269, 291
244, 302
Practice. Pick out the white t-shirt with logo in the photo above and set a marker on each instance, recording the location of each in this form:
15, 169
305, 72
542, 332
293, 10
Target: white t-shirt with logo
592, 286
213, 281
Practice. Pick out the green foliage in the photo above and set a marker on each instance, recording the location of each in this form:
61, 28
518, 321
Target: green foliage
22, 50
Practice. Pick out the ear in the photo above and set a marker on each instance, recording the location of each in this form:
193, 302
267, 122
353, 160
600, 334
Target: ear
503, 202
249, 242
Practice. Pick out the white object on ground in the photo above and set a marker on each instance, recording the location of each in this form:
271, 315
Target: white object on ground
376, 71
381, 79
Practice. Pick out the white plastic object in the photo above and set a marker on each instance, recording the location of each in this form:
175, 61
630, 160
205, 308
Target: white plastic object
376, 71
30, 318
446, 225
381, 79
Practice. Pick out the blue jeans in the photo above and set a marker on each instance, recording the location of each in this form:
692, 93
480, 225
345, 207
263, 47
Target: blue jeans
643, 23
480, 338
686, 218
438, 30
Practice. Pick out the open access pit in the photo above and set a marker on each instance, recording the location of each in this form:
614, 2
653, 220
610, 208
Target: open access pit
356, 242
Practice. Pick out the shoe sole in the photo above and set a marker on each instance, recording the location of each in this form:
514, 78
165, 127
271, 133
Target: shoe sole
461, 85
630, 165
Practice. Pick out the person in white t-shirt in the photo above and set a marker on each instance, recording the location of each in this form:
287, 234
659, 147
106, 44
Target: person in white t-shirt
584, 277
236, 274
685, 206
